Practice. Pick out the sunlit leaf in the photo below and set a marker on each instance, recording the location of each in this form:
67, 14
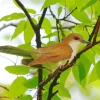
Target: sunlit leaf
51, 35
13, 16
26, 46
16, 4
62, 91
17, 88
97, 6
19, 29
32, 11
49, 2
46, 25
93, 76
26, 97
90, 3
79, 16
18, 69
98, 68
55, 97
28, 32
59, 10
31, 83
64, 76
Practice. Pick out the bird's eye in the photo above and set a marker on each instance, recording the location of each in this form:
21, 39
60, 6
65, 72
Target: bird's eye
76, 38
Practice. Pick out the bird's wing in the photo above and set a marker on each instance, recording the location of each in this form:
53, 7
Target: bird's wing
56, 54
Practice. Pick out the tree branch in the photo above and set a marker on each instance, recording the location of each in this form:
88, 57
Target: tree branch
4, 87
27, 14
54, 83
69, 14
65, 67
42, 18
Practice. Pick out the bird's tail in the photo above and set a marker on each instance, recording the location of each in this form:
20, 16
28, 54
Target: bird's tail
15, 51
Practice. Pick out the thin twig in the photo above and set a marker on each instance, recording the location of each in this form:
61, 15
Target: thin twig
4, 87
69, 14
54, 83
94, 30
5, 26
27, 14
42, 17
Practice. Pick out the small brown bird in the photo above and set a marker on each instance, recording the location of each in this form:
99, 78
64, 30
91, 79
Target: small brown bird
62, 51
65, 50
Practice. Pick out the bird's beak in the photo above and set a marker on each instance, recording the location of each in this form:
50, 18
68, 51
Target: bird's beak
85, 41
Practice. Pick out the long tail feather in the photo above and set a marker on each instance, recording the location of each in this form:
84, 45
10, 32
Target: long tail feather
15, 51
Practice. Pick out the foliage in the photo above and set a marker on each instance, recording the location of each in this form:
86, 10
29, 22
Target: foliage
86, 14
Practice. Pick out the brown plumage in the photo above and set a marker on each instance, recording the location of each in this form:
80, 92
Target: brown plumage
56, 52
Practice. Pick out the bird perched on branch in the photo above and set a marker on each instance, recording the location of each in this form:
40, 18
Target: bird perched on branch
65, 50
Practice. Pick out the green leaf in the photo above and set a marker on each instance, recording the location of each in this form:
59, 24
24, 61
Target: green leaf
59, 10
16, 4
19, 29
32, 11
18, 69
96, 48
90, 3
55, 97
96, 9
93, 76
98, 69
46, 25
28, 32
79, 16
82, 72
17, 88
47, 3
26, 46
13, 16
31, 83
51, 35
79, 74
62, 91
26, 97
90, 55
62, 76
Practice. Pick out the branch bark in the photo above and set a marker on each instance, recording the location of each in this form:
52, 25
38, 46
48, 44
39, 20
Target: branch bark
65, 67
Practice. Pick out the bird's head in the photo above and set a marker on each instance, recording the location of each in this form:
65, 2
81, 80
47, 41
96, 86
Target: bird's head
75, 38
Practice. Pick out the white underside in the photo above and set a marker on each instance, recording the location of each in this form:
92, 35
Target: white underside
74, 45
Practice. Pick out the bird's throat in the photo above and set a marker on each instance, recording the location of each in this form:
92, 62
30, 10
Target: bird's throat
74, 45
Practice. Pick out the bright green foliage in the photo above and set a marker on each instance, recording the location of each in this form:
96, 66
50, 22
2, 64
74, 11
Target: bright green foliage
50, 35
47, 3
90, 3
18, 69
97, 6
19, 29
32, 11
46, 25
31, 83
93, 76
26, 46
62, 91
17, 88
98, 68
86, 13
28, 32
13, 16
64, 76
27, 97
59, 10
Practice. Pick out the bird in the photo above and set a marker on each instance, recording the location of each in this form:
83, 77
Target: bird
65, 50
55, 53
